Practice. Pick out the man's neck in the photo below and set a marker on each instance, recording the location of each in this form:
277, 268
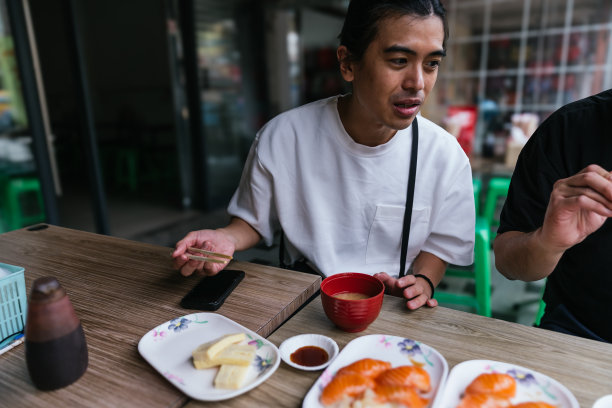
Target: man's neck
358, 127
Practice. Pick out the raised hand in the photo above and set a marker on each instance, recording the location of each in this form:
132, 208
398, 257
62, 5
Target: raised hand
579, 205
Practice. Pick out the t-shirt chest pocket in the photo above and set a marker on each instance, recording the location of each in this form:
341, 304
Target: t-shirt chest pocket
385, 237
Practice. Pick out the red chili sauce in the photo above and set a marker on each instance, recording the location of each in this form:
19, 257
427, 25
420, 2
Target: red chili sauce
309, 356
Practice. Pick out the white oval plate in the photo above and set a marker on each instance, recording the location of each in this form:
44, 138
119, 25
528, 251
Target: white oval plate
603, 402
531, 385
291, 344
397, 350
168, 349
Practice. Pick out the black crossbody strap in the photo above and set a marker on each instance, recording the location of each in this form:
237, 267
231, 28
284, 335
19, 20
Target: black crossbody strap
409, 196
281, 251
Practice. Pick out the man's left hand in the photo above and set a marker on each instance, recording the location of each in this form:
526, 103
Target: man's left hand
416, 291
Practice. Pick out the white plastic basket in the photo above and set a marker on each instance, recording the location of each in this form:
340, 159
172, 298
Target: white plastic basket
13, 302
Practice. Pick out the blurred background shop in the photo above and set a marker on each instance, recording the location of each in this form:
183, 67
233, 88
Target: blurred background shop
141, 113
133, 118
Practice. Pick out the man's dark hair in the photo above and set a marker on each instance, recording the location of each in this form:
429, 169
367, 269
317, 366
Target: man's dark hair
362, 17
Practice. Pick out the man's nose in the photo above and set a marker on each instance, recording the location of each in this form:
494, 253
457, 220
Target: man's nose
414, 78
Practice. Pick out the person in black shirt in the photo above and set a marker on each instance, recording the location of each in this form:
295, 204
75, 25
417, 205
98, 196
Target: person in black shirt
555, 222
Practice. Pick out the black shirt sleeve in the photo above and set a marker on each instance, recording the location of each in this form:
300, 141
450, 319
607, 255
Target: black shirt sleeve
534, 175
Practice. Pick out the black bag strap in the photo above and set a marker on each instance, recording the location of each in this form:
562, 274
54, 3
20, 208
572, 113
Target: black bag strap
299, 266
409, 197
281, 251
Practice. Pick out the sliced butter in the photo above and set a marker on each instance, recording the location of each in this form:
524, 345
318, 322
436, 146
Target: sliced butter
236, 354
222, 343
231, 376
210, 349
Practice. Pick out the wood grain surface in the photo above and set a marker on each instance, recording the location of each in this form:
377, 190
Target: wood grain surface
120, 290
583, 366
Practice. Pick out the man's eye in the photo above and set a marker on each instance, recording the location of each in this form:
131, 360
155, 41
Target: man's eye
433, 64
399, 61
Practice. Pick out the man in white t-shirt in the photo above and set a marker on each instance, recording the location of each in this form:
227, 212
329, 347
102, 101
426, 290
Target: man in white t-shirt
332, 175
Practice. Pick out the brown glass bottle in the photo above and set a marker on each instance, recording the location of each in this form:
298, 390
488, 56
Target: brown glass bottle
56, 351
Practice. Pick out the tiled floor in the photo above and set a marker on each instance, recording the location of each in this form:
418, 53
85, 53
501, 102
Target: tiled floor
511, 300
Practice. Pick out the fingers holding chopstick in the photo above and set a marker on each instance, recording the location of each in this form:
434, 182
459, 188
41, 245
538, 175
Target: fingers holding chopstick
217, 259
211, 254
207, 259
203, 252
208, 256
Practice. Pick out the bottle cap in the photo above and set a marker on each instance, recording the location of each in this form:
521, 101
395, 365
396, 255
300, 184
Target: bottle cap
46, 289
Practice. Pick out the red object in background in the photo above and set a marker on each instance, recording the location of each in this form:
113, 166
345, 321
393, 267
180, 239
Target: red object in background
461, 122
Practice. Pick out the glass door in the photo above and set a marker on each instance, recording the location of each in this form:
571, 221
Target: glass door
230, 58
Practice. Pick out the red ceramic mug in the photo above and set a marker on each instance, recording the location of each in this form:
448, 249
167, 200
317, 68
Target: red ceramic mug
352, 300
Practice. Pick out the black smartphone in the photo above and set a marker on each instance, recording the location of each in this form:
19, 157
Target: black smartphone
210, 293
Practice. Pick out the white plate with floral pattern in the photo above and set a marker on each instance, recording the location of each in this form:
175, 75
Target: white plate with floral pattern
530, 385
168, 349
397, 350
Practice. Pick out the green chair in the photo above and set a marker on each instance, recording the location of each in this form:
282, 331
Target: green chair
477, 185
497, 189
23, 203
541, 305
3, 207
480, 272
541, 309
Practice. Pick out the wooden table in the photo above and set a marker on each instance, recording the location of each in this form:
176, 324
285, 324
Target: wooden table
120, 290
583, 366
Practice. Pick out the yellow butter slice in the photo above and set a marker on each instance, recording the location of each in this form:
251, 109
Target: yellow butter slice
224, 342
231, 376
237, 354
210, 349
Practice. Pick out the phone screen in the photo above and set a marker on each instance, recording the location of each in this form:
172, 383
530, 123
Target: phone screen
211, 291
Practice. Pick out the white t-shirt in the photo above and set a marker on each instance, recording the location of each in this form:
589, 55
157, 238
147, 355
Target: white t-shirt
341, 204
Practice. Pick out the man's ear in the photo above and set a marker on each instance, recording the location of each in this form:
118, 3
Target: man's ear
346, 66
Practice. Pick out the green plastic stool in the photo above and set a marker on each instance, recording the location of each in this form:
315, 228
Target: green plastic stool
497, 189
24, 203
480, 272
3, 206
477, 185
126, 170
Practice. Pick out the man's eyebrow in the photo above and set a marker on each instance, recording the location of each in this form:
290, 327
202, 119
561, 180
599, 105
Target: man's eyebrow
406, 50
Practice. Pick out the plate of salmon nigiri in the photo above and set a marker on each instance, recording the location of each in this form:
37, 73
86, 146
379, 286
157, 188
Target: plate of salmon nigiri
486, 383
380, 371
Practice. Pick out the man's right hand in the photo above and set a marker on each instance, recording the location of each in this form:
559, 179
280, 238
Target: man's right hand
578, 206
237, 236
209, 240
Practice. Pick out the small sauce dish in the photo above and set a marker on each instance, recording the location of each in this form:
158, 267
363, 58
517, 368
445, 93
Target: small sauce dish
310, 352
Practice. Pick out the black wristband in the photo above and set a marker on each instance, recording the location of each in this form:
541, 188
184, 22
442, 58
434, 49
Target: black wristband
431, 285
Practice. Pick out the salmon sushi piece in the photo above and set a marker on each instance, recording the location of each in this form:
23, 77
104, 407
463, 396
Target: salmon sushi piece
498, 384
367, 367
483, 401
399, 394
411, 376
345, 385
536, 404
